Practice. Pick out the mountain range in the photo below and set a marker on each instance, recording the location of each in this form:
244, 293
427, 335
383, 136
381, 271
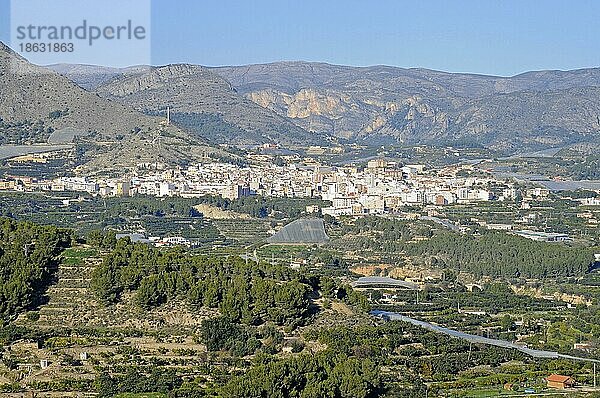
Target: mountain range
414, 106
122, 111
372, 105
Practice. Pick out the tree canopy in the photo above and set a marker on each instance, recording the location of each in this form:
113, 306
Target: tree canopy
500, 254
28, 258
242, 291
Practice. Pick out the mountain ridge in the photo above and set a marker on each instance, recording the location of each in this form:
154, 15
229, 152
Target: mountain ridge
422, 106
201, 102
118, 137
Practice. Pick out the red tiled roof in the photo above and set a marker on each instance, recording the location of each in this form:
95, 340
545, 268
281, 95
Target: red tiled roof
559, 378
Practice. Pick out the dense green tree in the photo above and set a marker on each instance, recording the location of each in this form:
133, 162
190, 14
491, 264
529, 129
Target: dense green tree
103, 240
251, 293
222, 334
28, 259
322, 375
501, 254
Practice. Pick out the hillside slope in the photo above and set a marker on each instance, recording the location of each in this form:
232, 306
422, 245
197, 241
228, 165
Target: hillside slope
205, 104
388, 104
32, 93
36, 103
92, 76
374, 105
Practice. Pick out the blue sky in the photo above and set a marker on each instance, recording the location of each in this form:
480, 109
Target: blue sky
502, 37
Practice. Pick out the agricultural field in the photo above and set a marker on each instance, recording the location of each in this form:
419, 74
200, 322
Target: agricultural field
202, 320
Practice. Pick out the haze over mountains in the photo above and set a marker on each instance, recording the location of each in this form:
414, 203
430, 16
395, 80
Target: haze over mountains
378, 104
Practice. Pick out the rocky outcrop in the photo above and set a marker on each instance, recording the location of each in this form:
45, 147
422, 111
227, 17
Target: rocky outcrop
535, 109
205, 104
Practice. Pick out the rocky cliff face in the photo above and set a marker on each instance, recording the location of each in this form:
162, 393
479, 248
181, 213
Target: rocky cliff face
385, 104
303, 102
327, 111
353, 116
205, 103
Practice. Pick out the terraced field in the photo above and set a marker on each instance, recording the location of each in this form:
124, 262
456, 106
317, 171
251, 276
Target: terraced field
70, 301
244, 231
83, 337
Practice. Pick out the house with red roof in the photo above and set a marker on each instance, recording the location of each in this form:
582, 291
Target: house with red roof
560, 382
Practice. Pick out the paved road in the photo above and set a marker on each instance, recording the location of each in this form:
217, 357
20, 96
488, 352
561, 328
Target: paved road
477, 339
